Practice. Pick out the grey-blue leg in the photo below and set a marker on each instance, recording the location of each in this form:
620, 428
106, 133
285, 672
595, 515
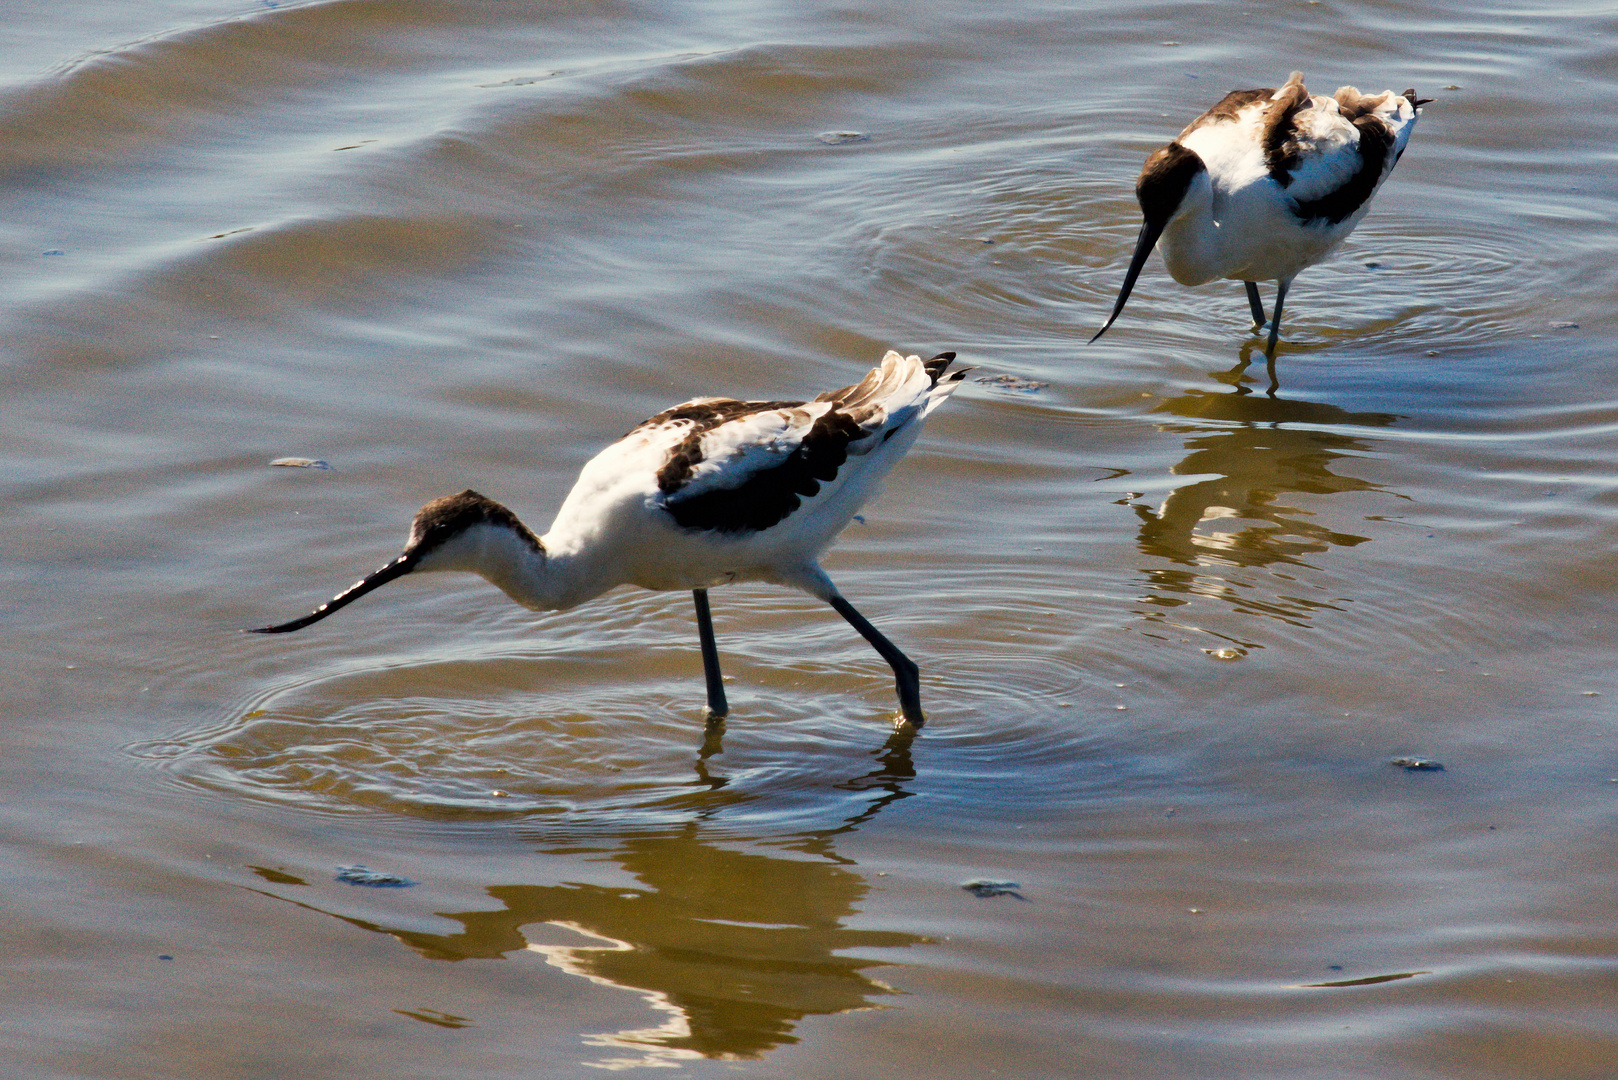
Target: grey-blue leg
907, 677
1254, 303
710, 655
1275, 323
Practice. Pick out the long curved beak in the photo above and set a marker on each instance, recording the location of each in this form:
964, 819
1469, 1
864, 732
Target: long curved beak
1149, 232
396, 569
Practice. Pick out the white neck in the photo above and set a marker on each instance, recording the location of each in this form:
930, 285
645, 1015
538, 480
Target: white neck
533, 577
1191, 242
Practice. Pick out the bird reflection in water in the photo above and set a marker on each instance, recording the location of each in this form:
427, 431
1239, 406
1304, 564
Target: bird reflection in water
1248, 454
1237, 376
729, 942
894, 768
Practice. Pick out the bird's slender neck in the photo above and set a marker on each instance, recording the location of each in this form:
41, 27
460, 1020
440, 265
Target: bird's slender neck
516, 562
1176, 199
1192, 239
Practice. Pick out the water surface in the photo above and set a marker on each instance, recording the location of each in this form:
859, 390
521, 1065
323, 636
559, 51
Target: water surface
1173, 630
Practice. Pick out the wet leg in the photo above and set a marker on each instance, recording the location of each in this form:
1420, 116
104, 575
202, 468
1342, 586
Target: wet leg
710, 656
1254, 303
907, 676
1275, 323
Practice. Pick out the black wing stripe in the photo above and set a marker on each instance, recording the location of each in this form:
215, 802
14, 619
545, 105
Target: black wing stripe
1282, 153
938, 365
1228, 108
767, 496
1376, 141
703, 417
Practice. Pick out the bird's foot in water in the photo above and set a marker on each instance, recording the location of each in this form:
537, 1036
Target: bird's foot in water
713, 737
908, 721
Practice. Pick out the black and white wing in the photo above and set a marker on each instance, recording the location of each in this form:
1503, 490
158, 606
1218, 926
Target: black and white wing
741, 467
1330, 154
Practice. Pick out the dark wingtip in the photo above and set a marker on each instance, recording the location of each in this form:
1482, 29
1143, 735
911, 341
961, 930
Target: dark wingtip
936, 367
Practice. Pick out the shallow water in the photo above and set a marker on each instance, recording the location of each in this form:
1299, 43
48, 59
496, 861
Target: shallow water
1173, 631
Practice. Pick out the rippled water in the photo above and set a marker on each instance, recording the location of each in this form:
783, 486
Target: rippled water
1173, 631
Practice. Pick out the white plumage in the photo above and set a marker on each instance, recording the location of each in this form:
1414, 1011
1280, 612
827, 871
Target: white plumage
711, 491
1266, 183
